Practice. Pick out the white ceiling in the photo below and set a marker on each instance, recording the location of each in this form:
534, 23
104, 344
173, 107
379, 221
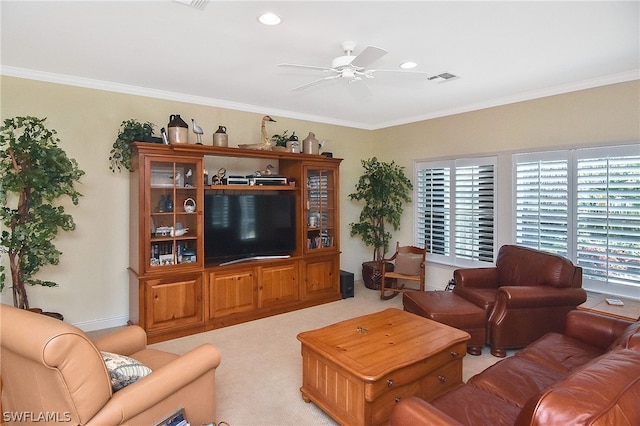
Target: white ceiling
220, 55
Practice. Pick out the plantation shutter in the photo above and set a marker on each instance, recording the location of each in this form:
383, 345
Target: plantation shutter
608, 216
474, 212
542, 204
433, 209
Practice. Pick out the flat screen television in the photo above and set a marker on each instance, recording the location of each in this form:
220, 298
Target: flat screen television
245, 225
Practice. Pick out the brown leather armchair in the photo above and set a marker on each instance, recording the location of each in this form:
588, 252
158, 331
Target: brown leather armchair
526, 295
52, 368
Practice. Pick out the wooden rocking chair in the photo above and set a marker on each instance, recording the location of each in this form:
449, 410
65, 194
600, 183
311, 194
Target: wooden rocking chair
408, 265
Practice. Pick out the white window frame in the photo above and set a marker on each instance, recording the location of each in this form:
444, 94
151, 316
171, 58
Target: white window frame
608, 286
451, 257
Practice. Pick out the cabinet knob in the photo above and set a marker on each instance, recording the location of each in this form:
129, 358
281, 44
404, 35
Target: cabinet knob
389, 382
454, 354
442, 379
397, 399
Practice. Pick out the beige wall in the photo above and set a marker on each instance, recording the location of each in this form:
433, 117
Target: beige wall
92, 273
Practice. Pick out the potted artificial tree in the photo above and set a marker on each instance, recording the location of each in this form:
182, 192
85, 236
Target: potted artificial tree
123, 148
36, 172
385, 189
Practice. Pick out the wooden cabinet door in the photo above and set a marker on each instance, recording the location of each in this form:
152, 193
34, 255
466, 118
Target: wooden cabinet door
320, 219
277, 284
173, 302
231, 292
322, 277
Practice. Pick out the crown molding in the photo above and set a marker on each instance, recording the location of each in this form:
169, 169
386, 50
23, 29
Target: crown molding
262, 109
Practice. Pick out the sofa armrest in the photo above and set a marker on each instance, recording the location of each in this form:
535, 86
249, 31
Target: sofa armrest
539, 296
594, 329
159, 385
124, 341
415, 411
476, 277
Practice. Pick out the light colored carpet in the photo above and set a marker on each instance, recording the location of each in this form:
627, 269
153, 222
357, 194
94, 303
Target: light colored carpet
258, 380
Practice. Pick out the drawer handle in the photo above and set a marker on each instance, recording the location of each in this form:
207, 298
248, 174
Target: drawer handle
454, 354
389, 382
442, 379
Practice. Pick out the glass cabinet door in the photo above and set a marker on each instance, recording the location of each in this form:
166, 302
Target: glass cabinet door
174, 210
319, 212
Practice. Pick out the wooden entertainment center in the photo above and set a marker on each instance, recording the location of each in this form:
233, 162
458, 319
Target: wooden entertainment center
174, 292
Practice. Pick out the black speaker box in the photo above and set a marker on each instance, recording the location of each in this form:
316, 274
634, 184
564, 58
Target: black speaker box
346, 284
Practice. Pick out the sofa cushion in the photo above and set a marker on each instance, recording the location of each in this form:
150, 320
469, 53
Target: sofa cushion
516, 379
472, 406
604, 392
560, 352
123, 370
521, 266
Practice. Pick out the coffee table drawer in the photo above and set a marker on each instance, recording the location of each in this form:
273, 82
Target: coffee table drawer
441, 380
381, 408
413, 372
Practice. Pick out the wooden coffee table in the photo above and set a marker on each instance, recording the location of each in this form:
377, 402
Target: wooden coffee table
356, 370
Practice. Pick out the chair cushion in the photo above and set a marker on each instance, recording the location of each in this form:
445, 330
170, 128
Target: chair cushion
408, 263
123, 370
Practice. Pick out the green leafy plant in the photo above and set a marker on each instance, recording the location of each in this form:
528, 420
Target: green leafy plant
35, 173
385, 189
123, 148
281, 140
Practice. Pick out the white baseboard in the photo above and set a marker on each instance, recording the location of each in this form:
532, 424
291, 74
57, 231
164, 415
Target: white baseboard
102, 324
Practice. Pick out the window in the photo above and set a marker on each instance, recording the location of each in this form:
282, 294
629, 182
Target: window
584, 204
541, 203
455, 214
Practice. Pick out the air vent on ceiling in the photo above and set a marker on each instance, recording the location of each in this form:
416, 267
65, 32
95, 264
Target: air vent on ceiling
445, 76
196, 4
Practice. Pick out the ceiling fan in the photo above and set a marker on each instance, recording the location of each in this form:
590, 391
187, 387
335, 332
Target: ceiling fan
349, 67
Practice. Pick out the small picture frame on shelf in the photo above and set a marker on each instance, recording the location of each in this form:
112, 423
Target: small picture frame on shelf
162, 177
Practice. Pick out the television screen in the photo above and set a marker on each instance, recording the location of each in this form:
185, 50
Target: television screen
248, 224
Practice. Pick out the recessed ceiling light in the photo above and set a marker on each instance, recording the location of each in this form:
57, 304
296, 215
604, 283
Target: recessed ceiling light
408, 65
269, 18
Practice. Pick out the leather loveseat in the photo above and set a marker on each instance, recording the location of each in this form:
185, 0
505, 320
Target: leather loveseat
53, 373
526, 295
590, 375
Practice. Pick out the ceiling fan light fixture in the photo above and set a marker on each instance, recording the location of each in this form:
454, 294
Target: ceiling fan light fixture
269, 18
408, 65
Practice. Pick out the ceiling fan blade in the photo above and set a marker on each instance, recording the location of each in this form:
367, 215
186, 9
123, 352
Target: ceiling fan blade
304, 86
360, 92
368, 56
311, 67
414, 73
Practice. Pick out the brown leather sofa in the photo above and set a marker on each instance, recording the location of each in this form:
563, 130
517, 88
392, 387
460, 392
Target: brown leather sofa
526, 295
590, 375
51, 368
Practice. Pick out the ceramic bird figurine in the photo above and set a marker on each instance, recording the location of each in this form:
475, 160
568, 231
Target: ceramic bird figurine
198, 131
266, 144
266, 172
266, 140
